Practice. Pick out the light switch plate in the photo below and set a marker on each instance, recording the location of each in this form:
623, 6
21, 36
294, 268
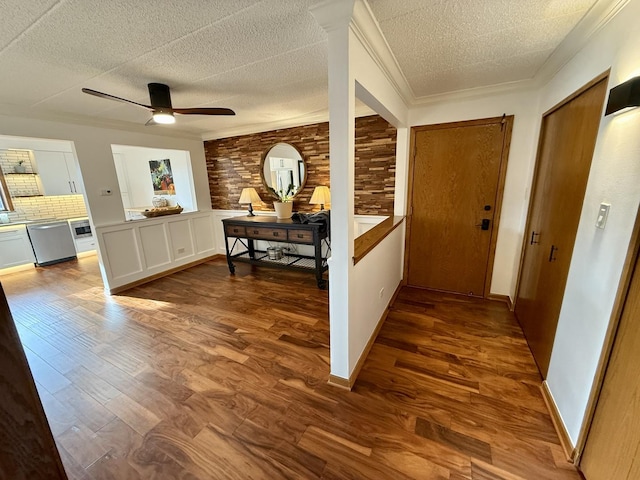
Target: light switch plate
603, 213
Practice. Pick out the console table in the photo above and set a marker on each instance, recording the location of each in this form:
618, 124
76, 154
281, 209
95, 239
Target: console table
243, 231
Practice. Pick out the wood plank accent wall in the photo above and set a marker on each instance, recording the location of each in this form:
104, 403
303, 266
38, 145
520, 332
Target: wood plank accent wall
234, 163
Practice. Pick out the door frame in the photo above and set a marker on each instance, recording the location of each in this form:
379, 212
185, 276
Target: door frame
536, 170
507, 121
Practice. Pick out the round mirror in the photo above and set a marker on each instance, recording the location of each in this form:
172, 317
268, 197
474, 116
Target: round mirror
283, 169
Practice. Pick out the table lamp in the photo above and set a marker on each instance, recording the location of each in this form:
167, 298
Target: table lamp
250, 196
322, 196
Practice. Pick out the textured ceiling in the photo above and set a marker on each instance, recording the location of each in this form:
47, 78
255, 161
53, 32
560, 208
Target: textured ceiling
266, 59
444, 45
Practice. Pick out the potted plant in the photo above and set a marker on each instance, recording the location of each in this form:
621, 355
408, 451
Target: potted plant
20, 167
284, 203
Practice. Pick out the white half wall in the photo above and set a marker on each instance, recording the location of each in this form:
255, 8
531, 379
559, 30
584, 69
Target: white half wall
598, 255
132, 251
376, 278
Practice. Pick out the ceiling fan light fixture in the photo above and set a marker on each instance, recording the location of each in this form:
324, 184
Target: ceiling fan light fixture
164, 118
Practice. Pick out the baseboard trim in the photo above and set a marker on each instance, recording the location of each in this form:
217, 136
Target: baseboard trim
350, 382
142, 281
558, 424
501, 298
339, 382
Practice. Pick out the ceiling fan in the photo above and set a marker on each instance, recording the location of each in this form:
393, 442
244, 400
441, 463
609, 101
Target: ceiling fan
161, 105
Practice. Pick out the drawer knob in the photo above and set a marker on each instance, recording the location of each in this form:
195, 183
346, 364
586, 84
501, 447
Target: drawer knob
275, 234
300, 235
255, 232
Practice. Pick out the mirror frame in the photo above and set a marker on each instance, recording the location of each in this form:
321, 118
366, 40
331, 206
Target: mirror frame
264, 158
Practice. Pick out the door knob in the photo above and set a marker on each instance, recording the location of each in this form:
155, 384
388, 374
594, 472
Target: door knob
485, 224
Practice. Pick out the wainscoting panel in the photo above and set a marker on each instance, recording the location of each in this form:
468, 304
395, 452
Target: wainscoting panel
204, 235
136, 250
122, 257
182, 240
155, 245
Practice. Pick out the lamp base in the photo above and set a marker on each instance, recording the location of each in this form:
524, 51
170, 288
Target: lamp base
251, 214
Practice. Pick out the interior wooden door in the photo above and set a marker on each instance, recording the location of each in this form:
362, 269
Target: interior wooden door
613, 442
27, 447
456, 189
567, 141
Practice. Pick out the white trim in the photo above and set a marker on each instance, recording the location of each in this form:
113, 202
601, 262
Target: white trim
367, 29
599, 15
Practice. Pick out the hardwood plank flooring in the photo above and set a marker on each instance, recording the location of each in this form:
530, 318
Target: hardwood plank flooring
201, 375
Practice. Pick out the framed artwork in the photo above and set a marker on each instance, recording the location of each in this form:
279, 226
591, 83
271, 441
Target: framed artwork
162, 177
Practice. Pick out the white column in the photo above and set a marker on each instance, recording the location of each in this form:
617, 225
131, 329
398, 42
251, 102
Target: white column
335, 17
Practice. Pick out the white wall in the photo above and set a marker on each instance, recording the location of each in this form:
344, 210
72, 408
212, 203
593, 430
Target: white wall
598, 255
92, 147
135, 165
93, 150
376, 278
524, 106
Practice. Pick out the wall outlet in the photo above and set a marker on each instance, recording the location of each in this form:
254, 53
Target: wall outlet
181, 250
381, 292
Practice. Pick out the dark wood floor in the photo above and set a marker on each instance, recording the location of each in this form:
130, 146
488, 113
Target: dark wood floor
205, 376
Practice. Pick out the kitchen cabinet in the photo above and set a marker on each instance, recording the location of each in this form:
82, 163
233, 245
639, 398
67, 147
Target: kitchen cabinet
15, 247
58, 173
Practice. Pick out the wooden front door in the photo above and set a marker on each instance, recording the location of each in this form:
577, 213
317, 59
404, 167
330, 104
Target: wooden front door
457, 174
567, 141
612, 450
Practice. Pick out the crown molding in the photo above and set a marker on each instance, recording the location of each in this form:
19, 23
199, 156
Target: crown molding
476, 92
599, 15
367, 29
333, 14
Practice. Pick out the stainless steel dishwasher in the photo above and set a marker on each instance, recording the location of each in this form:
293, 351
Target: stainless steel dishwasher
52, 242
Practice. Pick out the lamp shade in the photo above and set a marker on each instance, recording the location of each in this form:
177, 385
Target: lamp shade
321, 195
250, 196
623, 96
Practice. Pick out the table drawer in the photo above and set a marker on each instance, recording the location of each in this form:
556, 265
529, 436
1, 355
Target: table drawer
301, 236
235, 231
267, 233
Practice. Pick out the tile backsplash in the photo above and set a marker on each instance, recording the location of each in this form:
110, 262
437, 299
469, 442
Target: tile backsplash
25, 191
58, 206
10, 158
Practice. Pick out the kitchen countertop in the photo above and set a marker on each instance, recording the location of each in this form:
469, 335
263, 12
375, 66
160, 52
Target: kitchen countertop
40, 220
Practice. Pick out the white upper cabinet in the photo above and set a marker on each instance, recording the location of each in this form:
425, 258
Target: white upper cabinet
58, 173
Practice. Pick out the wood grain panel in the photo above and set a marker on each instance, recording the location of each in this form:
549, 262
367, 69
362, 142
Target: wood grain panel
617, 414
234, 163
567, 141
27, 448
200, 375
457, 176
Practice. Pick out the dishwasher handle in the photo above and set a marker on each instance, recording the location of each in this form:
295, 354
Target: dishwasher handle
46, 227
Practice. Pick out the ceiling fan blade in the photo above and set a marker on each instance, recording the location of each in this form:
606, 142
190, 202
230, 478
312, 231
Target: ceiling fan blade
150, 122
95, 93
204, 111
